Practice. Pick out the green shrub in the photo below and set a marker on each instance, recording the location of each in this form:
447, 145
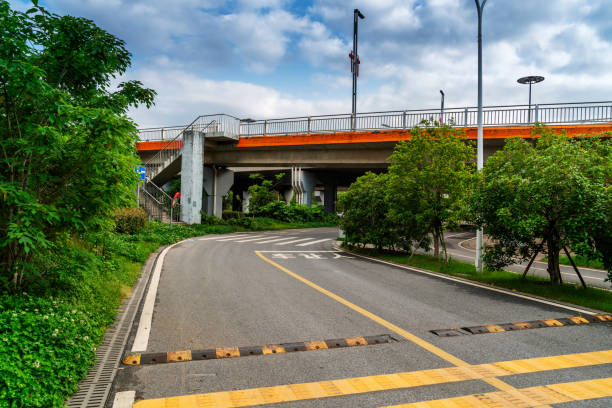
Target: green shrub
211, 220
294, 213
227, 214
130, 220
46, 347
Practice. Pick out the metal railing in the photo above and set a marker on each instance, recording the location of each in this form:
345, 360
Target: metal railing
157, 203
171, 151
510, 115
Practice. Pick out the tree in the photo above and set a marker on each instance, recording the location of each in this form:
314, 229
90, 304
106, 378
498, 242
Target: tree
429, 178
364, 212
262, 192
67, 148
546, 197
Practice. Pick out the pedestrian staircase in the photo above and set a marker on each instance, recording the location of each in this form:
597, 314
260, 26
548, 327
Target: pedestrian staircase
157, 204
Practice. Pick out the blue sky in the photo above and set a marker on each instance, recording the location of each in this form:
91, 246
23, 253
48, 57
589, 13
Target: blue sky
279, 58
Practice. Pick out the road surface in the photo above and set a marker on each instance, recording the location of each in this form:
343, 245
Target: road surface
268, 289
456, 247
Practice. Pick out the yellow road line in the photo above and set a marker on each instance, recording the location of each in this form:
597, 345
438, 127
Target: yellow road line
537, 396
495, 382
360, 385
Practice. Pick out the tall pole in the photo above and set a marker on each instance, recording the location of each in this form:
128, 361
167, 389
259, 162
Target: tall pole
529, 109
441, 106
480, 139
531, 79
354, 63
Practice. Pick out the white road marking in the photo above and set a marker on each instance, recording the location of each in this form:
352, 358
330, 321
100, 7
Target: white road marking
215, 236
274, 240
124, 399
294, 241
310, 252
466, 282
257, 239
240, 237
314, 242
146, 316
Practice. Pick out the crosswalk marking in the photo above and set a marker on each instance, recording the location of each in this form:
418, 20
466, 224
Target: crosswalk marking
293, 242
257, 239
314, 242
532, 396
273, 240
384, 382
239, 237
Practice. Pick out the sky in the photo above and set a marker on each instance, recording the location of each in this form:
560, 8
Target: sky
266, 59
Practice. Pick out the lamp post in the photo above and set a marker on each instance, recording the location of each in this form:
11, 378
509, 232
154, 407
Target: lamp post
532, 79
480, 141
355, 63
441, 106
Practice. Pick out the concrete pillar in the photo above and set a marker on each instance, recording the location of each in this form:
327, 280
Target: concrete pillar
288, 195
192, 177
308, 183
217, 183
303, 183
329, 197
246, 198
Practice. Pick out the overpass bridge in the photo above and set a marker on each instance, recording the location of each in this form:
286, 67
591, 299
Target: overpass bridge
330, 149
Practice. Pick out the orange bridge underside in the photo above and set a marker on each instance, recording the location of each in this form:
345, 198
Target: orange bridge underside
377, 136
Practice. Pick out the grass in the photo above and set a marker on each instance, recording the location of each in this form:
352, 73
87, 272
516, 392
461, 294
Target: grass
580, 261
73, 294
593, 298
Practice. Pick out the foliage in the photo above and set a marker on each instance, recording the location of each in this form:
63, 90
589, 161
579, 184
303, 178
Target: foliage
262, 192
364, 212
429, 178
130, 220
227, 214
67, 148
546, 197
46, 346
293, 212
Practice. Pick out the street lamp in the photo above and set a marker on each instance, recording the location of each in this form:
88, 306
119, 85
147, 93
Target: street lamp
441, 106
480, 141
355, 63
532, 79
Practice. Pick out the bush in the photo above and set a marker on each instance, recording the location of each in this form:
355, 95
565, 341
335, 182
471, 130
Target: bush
227, 214
130, 220
46, 347
365, 212
211, 220
294, 213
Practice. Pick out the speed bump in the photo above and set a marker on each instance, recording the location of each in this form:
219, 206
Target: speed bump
231, 352
534, 324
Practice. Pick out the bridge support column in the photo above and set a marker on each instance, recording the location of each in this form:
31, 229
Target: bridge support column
329, 197
192, 177
303, 183
246, 199
217, 183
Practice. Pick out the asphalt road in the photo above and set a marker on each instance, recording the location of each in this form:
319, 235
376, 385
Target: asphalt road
293, 286
593, 277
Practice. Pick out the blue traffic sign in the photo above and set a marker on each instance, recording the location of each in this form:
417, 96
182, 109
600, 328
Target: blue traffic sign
141, 171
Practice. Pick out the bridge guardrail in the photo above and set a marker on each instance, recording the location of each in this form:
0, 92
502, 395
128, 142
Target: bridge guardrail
510, 115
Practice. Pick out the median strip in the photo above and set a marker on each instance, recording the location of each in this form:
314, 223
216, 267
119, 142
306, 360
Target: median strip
534, 324
231, 352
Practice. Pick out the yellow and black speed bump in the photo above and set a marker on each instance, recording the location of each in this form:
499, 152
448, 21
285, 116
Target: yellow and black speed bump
230, 352
534, 324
